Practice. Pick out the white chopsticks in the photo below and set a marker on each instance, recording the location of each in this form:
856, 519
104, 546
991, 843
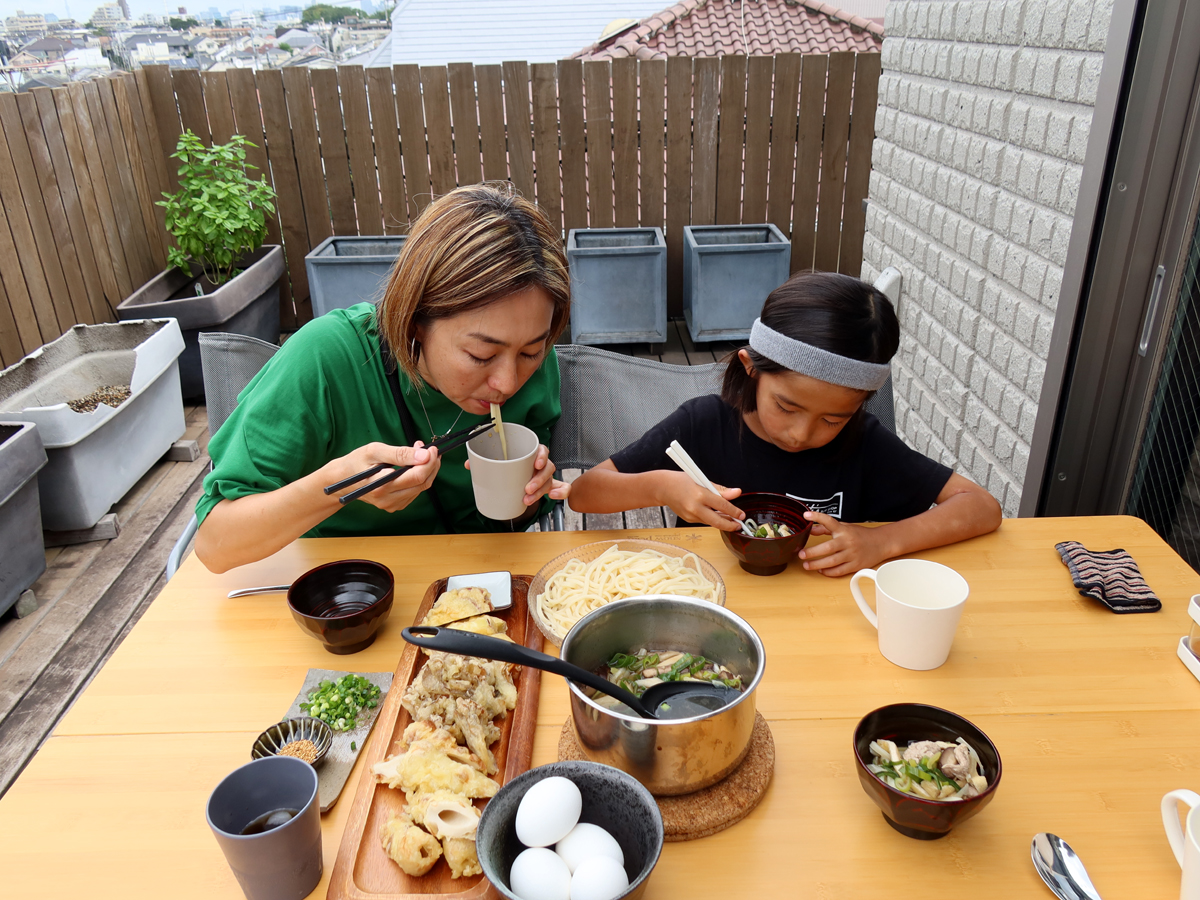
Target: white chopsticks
685, 462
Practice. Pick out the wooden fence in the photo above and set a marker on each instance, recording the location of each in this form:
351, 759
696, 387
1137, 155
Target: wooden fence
352, 151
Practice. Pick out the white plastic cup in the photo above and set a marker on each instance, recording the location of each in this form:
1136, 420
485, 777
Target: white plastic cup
499, 484
1184, 839
917, 607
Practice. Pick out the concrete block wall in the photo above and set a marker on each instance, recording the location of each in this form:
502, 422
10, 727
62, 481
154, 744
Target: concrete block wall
983, 120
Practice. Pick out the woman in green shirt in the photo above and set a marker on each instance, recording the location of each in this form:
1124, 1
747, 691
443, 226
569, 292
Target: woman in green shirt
469, 318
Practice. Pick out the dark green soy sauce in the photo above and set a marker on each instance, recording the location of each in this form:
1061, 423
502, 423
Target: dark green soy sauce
270, 820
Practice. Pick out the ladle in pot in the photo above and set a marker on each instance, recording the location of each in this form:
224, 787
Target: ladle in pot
669, 700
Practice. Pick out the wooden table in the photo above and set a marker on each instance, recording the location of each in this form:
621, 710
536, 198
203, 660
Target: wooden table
1094, 716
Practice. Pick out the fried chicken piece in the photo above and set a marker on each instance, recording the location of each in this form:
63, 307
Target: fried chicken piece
460, 604
445, 815
413, 850
426, 766
460, 853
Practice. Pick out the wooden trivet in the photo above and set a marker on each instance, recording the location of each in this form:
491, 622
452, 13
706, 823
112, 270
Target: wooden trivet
715, 808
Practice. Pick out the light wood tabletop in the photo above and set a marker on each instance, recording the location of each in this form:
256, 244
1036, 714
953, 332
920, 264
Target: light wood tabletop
1094, 716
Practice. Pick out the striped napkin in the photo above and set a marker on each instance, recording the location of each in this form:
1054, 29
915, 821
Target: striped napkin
1110, 576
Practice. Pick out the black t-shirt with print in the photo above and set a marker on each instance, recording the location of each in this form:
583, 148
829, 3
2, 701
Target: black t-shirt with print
865, 474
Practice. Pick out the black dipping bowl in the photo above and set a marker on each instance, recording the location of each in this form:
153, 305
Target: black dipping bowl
904, 723
342, 604
611, 799
769, 556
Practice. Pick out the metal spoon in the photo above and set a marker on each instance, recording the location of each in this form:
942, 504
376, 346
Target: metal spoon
1060, 868
267, 589
669, 700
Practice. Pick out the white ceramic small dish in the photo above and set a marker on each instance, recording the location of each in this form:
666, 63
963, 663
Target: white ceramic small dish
497, 584
1185, 643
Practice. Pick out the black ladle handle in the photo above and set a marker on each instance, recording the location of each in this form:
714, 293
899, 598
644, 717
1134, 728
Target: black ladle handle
467, 643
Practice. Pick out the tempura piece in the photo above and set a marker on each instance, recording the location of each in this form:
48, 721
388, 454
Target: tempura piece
446, 815
412, 849
460, 604
426, 766
460, 854
488, 626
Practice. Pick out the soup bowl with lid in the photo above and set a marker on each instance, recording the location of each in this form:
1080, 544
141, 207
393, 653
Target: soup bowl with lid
673, 756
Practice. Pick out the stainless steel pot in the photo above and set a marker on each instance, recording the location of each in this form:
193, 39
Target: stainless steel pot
681, 755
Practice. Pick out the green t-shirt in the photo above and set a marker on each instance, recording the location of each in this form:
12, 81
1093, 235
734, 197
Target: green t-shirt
325, 394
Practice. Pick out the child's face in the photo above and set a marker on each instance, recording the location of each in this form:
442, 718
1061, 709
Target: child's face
796, 412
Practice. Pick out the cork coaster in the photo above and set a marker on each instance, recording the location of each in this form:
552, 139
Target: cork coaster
715, 808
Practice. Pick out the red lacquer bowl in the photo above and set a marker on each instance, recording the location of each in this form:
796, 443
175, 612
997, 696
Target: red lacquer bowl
905, 723
769, 556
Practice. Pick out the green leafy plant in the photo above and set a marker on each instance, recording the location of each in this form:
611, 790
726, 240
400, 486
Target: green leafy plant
219, 214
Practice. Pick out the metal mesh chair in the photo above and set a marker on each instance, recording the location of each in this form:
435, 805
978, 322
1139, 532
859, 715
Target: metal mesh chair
229, 362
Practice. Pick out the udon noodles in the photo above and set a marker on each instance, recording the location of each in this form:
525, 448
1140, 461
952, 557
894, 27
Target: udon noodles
498, 424
578, 587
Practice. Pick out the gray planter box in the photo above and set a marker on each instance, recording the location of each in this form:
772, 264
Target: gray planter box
618, 285
23, 558
95, 457
343, 271
249, 304
728, 270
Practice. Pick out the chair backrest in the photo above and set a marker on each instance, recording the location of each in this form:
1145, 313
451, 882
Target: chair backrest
609, 400
229, 362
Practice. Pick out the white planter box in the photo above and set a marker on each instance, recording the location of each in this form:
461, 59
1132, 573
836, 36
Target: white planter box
95, 457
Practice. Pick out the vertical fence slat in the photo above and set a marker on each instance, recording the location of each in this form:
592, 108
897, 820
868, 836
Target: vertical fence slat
333, 150
625, 141
731, 139
115, 288
20, 268
520, 126
410, 114
679, 173
166, 116
435, 92
308, 154
759, 136
858, 163
808, 160
282, 157
465, 118
353, 83
152, 164
218, 106
706, 93
387, 150
570, 116
493, 140
598, 127
833, 161
785, 98
190, 95
46, 114
652, 76
545, 134
128, 203
10, 344
128, 125
153, 139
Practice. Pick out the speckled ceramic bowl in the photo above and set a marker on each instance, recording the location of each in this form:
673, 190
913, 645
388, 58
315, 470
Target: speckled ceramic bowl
611, 799
301, 728
908, 722
769, 556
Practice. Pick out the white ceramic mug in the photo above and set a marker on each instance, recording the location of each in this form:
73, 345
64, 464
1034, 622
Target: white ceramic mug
917, 607
1184, 839
499, 483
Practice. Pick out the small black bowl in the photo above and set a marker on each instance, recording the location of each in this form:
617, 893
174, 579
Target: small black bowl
769, 556
904, 723
615, 801
342, 604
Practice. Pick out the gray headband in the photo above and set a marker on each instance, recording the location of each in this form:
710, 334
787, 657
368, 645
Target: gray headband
817, 363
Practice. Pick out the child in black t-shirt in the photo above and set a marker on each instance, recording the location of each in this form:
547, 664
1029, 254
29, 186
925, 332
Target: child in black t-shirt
790, 420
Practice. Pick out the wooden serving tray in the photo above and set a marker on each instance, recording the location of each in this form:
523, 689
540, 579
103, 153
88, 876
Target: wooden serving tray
362, 870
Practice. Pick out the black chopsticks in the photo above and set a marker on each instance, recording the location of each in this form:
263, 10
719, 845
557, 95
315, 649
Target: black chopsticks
445, 444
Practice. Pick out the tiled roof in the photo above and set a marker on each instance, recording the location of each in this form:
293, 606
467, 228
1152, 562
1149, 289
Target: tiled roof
715, 28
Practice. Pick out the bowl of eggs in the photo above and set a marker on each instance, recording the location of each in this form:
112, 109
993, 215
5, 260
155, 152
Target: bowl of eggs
571, 830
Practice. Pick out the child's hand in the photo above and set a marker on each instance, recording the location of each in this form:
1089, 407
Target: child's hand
852, 547
693, 503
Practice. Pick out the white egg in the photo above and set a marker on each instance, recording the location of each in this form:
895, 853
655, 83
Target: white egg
584, 842
548, 811
540, 874
599, 878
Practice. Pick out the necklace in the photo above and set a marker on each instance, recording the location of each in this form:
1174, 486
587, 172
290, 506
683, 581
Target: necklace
434, 435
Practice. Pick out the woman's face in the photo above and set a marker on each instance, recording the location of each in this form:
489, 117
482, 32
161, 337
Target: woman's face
484, 356
797, 412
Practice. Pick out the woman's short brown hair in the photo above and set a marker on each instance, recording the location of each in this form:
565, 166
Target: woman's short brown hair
471, 247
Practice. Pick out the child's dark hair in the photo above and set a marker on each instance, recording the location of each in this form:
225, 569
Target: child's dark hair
835, 312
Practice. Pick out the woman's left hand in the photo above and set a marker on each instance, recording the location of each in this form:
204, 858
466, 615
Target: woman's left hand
850, 548
543, 481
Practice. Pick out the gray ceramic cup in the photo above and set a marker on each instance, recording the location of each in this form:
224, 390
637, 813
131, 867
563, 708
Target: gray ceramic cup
499, 483
284, 863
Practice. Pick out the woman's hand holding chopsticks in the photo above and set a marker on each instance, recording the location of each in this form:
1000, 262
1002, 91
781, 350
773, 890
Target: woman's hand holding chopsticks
423, 462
